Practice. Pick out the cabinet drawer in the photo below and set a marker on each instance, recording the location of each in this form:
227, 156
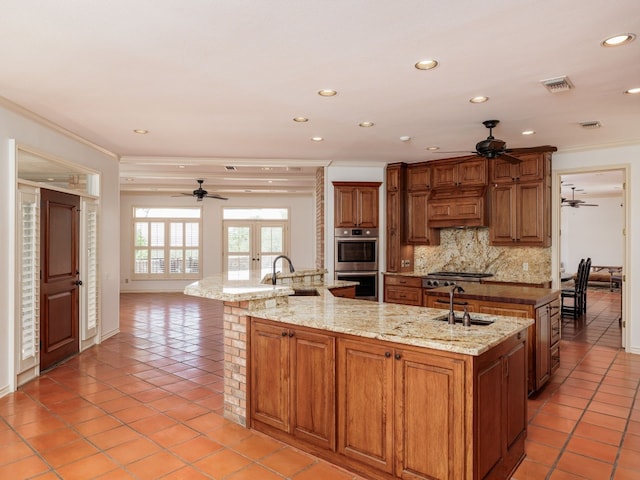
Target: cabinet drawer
403, 281
555, 357
404, 295
555, 330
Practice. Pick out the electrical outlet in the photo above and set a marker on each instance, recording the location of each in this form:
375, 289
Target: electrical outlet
525, 266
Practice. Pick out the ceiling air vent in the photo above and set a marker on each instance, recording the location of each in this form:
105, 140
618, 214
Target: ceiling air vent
557, 85
230, 168
591, 124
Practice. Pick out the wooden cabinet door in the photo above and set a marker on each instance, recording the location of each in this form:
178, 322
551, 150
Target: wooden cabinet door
516, 395
313, 388
419, 232
531, 213
542, 346
394, 174
346, 209
429, 420
503, 214
490, 406
367, 205
472, 172
444, 175
418, 178
531, 167
365, 408
270, 375
394, 231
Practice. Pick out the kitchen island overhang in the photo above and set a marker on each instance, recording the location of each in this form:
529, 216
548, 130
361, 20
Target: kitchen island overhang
477, 352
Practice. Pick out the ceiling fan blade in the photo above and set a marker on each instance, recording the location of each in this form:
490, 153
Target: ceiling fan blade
181, 194
538, 149
215, 195
509, 158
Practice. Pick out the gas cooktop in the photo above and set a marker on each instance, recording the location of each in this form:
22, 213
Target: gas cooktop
445, 279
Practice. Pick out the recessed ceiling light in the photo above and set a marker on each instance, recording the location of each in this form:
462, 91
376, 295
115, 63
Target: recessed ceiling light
618, 40
317, 139
267, 168
433, 148
479, 99
300, 119
180, 166
327, 93
632, 91
426, 64
140, 131
366, 124
129, 179
529, 132
405, 138
50, 179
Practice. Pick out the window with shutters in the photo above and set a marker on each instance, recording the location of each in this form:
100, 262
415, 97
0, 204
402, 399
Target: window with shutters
167, 243
89, 268
28, 282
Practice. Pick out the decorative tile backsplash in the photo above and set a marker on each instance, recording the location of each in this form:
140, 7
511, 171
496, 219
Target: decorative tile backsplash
468, 250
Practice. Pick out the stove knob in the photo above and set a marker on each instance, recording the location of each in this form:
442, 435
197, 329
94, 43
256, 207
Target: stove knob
452, 282
435, 283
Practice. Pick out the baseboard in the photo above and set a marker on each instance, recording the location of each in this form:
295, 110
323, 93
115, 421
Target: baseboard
5, 391
109, 334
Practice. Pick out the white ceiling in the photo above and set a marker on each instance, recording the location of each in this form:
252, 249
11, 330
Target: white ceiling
218, 82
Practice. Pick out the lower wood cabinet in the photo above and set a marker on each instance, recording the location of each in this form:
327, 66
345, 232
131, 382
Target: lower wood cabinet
343, 292
293, 382
403, 289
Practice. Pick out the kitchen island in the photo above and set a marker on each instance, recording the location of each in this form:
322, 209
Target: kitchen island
389, 391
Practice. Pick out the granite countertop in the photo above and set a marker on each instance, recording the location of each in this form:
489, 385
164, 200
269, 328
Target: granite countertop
501, 293
402, 324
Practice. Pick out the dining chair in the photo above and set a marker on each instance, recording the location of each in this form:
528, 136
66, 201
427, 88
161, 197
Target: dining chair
574, 308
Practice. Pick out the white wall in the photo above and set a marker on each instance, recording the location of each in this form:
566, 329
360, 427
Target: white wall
617, 157
35, 133
592, 232
302, 232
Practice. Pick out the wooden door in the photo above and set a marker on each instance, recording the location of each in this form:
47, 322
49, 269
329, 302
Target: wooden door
365, 409
313, 402
59, 284
270, 385
542, 346
429, 416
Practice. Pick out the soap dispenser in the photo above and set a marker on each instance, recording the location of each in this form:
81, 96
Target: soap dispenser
466, 318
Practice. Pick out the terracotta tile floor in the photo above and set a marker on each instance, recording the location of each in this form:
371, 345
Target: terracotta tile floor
147, 404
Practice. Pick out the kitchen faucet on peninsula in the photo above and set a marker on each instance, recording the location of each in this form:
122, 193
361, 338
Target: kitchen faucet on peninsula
291, 269
452, 292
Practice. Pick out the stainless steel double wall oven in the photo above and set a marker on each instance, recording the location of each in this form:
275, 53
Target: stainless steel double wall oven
356, 259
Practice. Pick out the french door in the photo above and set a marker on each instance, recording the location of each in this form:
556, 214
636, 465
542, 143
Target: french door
251, 246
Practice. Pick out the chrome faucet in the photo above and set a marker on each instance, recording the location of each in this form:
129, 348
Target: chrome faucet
291, 269
452, 292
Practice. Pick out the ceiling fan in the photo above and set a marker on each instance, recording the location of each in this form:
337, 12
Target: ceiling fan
492, 147
201, 193
575, 203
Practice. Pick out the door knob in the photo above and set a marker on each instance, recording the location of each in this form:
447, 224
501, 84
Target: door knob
78, 282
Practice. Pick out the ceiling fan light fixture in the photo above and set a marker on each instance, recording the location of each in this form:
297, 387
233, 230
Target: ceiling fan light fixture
427, 64
479, 99
618, 40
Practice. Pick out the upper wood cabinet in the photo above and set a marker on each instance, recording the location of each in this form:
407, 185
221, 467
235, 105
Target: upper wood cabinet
531, 167
520, 199
399, 253
418, 177
460, 172
356, 204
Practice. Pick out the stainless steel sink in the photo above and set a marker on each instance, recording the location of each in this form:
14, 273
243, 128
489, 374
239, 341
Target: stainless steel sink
474, 321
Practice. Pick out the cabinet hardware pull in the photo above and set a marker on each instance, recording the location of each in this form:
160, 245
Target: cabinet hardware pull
291, 334
519, 335
284, 334
387, 354
398, 356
